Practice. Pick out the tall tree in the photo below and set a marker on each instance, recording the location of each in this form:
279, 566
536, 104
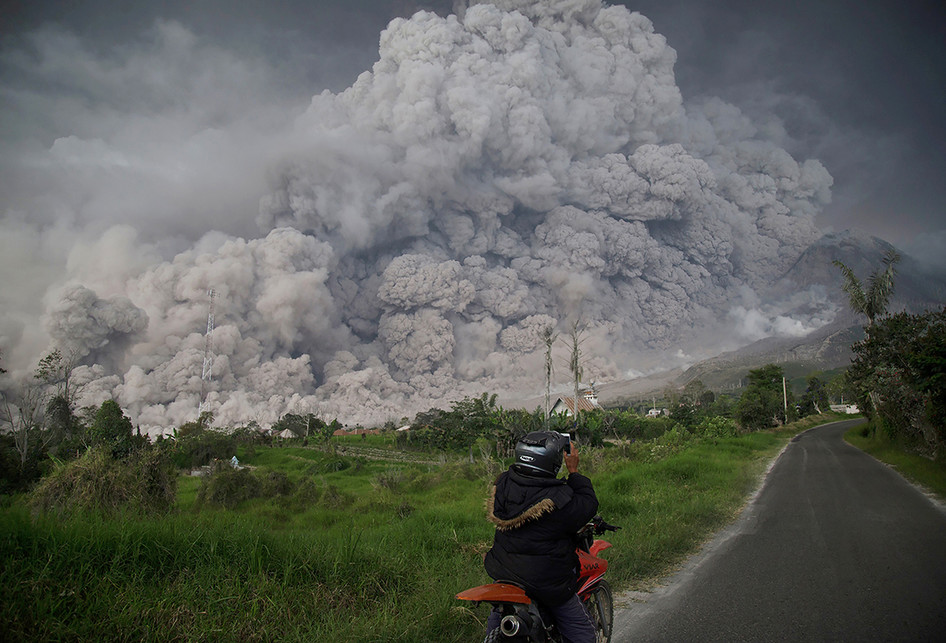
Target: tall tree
815, 397
574, 361
112, 429
548, 338
761, 404
21, 409
55, 370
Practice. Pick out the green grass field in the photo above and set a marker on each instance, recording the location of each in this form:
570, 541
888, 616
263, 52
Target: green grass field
363, 549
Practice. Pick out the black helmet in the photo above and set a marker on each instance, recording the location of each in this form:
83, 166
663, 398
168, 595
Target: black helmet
540, 453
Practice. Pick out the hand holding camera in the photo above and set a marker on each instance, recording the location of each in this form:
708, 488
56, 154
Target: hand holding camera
571, 457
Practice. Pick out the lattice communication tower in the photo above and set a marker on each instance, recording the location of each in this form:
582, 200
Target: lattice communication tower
207, 371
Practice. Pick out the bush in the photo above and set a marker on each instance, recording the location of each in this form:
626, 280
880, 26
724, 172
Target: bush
675, 437
307, 493
333, 498
632, 426
762, 404
330, 464
716, 428
277, 483
144, 481
228, 487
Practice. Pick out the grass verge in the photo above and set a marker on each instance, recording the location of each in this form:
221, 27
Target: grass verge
921, 471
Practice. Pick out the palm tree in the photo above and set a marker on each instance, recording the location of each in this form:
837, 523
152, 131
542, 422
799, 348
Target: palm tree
872, 302
574, 361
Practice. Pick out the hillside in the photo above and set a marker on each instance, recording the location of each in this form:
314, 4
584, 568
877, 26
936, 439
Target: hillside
825, 349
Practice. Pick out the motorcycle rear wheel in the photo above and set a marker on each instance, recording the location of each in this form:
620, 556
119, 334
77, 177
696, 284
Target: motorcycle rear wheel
601, 607
496, 636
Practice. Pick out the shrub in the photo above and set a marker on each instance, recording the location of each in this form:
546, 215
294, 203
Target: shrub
335, 499
277, 483
157, 479
675, 437
307, 493
716, 428
227, 487
330, 464
144, 481
762, 404
17, 475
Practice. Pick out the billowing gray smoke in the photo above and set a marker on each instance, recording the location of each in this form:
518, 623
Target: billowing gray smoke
523, 164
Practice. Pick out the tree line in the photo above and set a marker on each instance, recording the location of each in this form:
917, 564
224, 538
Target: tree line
35, 441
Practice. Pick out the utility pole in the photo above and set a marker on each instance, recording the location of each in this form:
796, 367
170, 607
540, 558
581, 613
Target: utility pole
785, 398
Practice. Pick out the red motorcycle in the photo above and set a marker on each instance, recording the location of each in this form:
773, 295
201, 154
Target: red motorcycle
525, 621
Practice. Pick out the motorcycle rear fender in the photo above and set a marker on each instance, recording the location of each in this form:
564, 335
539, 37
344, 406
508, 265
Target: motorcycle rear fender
495, 593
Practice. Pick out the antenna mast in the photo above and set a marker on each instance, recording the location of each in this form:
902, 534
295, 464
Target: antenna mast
206, 373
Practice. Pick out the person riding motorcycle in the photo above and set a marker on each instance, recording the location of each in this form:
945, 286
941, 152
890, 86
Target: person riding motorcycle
537, 517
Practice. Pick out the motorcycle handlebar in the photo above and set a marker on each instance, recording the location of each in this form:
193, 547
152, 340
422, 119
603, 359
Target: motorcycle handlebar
598, 526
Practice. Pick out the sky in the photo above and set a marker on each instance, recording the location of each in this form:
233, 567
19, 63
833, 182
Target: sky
856, 84
390, 211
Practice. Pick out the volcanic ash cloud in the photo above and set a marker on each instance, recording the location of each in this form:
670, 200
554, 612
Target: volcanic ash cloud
494, 173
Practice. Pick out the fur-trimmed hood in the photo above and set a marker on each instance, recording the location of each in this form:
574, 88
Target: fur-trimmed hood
517, 499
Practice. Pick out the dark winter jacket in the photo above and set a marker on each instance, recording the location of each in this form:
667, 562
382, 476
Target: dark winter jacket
536, 522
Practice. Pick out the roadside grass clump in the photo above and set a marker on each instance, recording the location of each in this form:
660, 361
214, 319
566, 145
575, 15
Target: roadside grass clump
334, 498
96, 481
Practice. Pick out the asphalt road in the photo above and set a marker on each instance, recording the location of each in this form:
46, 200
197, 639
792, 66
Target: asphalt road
834, 547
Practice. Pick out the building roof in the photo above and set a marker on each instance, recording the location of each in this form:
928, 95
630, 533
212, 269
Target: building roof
584, 404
